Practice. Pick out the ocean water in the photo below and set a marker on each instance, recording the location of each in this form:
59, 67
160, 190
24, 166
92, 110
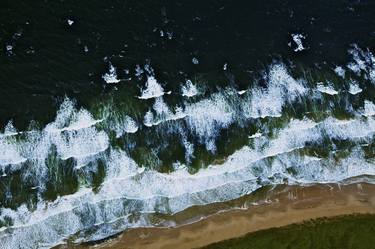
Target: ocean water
111, 111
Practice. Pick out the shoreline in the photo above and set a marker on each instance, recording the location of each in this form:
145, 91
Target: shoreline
277, 207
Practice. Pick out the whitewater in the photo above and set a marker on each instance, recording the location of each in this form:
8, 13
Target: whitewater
284, 153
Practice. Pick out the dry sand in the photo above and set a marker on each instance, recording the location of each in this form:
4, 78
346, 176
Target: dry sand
281, 206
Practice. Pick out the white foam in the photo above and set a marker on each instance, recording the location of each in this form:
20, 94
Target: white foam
359, 58
125, 125
354, 88
129, 189
206, 117
195, 61
281, 89
163, 113
153, 89
363, 62
148, 119
138, 71
111, 76
9, 130
297, 38
83, 119
264, 103
73, 134
189, 89
81, 144
126, 190
369, 109
256, 135
9, 48
189, 150
69, 214
9, 153
293, 136
328, 89
340, 71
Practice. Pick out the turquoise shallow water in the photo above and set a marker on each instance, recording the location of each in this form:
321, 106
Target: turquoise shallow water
110, 111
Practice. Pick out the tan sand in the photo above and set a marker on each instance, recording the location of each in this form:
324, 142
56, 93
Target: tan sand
284, 205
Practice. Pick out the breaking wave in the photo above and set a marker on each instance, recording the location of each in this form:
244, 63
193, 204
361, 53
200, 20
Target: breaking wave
283, 145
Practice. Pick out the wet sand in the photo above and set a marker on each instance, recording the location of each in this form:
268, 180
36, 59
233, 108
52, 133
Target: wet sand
277, 207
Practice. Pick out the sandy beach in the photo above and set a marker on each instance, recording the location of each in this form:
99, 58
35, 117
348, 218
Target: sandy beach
276, 207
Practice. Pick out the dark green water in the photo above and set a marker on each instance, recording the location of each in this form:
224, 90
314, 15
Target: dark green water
110, 110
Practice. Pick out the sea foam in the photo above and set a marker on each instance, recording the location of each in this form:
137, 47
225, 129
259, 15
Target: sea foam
130, 194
